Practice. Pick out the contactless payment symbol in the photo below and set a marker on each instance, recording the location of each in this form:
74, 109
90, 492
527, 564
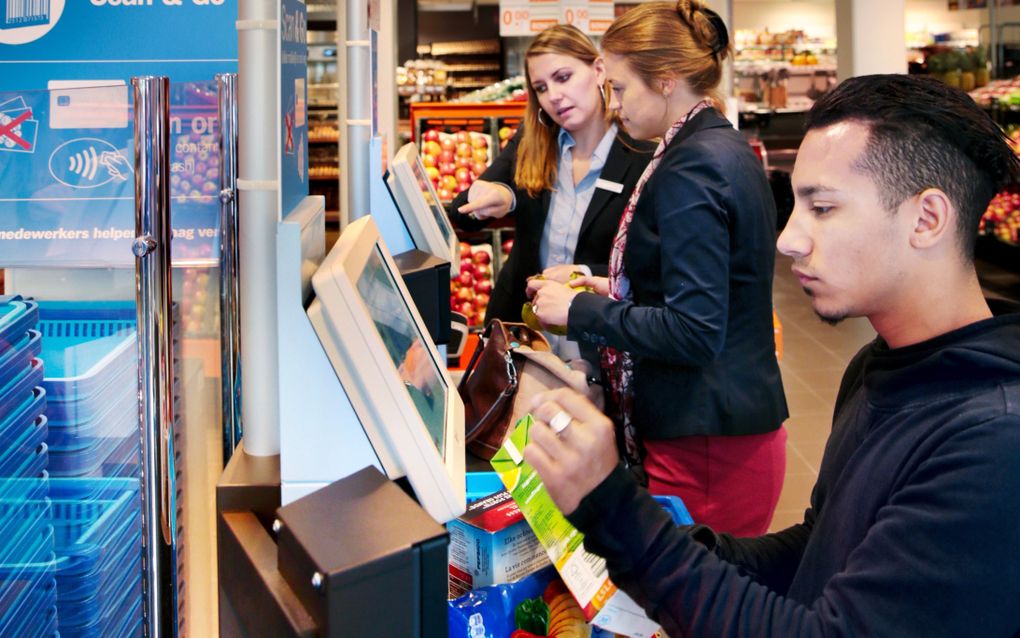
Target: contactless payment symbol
23, 21
18, 129
88, 162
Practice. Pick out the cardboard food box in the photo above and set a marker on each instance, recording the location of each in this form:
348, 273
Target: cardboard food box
491, 544
584, 573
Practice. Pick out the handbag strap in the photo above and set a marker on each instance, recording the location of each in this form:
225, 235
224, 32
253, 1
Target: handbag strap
498, 406
479, 348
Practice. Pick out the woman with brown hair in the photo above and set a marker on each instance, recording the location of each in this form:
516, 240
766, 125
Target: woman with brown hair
684, 318
565, 176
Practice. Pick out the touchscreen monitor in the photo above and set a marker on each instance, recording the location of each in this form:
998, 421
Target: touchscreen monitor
397, 383
423, 213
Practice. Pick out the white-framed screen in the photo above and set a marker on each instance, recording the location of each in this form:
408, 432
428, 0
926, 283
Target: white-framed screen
423, 213
393, 375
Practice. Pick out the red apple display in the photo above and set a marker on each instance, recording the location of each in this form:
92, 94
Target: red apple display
470, 290
1002, 218
432, 147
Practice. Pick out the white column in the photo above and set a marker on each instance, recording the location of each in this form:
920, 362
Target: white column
258, 214
870, 37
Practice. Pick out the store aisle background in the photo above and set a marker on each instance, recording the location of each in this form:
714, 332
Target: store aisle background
814, 357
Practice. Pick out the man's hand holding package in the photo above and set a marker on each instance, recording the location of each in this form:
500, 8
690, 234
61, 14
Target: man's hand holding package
574, 461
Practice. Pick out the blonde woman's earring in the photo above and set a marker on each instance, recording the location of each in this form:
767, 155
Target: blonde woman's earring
541, 118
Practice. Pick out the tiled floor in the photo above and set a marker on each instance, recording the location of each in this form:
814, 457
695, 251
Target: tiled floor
814, 357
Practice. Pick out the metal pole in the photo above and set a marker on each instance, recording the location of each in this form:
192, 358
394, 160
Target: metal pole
155, 343
357, 125
230, 320
993, 39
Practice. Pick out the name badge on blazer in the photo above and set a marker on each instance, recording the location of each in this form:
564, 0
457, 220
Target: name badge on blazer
605, 184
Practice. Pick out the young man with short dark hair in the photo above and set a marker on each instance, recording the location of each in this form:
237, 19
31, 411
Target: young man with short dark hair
914, 522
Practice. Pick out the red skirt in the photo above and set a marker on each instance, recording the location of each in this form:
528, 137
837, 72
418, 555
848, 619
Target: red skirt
730, 483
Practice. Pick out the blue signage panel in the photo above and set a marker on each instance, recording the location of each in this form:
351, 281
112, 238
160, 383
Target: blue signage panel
293, 104
66, 154
67, 175
43, 40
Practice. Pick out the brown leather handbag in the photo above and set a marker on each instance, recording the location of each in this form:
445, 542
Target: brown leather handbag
511, 364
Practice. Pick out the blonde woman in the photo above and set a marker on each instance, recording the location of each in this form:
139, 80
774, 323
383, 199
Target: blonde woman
565, 176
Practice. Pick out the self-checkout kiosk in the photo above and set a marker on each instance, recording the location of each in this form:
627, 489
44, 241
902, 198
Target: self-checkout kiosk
371, 430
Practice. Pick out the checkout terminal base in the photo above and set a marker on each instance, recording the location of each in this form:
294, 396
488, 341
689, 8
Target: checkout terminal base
358, 557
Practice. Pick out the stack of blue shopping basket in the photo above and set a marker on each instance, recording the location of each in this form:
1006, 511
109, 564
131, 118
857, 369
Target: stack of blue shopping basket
28, 590
91, 384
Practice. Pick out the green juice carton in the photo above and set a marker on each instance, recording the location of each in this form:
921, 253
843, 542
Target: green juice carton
584, 573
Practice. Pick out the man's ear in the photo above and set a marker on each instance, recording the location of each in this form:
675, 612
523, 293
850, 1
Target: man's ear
934, 219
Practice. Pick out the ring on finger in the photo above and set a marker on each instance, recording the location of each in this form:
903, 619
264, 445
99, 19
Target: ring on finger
560, 421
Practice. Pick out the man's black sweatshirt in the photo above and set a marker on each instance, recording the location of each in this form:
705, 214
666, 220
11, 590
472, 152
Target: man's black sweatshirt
913, 527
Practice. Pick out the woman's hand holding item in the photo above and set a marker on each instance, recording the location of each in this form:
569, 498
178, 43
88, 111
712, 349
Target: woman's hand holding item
551, 301
576, 455
591, 283
563, 273
487, 200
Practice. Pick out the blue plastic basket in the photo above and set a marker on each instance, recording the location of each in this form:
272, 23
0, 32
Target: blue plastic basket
31, 467
482, 484
17, 316
112, 420
34, 614
89, 517
98, 544
19, 387
26, 527
123, 620
31, 443
83, 342
21, 417
119, 383
110, 458
14, 359
28, 598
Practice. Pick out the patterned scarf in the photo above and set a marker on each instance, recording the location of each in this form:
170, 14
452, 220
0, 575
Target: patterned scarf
618, 364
